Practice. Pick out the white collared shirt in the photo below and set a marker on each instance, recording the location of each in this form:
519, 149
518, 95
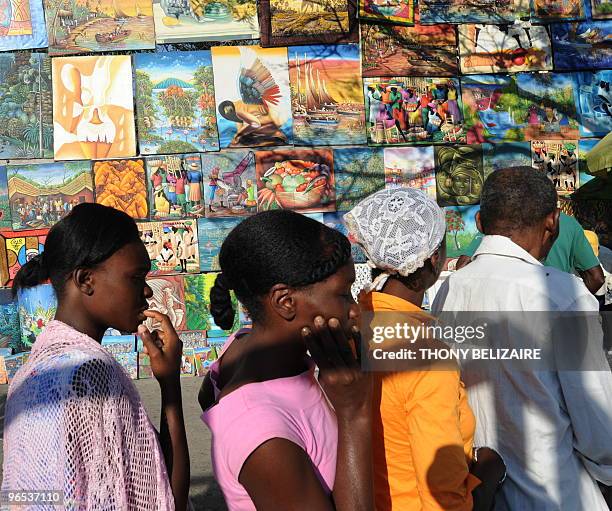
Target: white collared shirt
553, 429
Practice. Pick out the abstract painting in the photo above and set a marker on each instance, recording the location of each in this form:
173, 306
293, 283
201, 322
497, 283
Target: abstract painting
593, 95
326, 95
22, 25
559, 160
252, 96
459, 174
169, 299
16, 249
175, 102
586, 45
212, 232
359, 172
411, 167
93, 107
120, 184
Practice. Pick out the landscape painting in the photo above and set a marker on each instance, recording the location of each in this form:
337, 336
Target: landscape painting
197, 298
460, 229
557, 10
584, 147
504, 48
26, 110
559, 161
505, 155
120, 184
411, 167
10, 331
37, 306
84, 26
593, 95
359, 172
212, 233
16, 249
326, 95
472, 11
172, 246
601, 9
394, 11
175, 102
5, 208
586, 45
22, 25
459, 174
41, 194
421, 50
252, 96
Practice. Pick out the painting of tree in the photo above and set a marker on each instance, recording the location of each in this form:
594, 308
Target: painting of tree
454, 224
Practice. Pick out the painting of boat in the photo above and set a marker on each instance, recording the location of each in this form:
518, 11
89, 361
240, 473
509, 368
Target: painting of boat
119, 34
319, 106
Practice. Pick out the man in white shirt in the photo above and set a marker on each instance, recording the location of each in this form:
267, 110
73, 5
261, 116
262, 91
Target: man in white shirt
552, 428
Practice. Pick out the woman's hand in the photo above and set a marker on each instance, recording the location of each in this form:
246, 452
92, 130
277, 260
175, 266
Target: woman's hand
163, 347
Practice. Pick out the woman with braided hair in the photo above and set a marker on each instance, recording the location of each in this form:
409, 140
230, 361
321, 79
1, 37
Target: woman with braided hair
280, 440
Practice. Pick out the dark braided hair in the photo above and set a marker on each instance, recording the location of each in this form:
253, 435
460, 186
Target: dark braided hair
270, 248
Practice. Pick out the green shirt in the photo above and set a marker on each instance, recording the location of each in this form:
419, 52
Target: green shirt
570, 252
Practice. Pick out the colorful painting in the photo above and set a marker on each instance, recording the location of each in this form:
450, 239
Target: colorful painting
472, 11
192, 338
505, 155
212, 232
411, 167
559, 160
336, 221
408, 51
394, 11
326, 95
586, 45
16, 249
504, 48
37, 306
129, 363
83, 26
359, 172
584, 147
41, 194
459, 175
10, 330
93, 107
5, 208
514, 108
252, 96
120, 184
197, 297
297, 179
593, 95
196, 20
26, 109
175, 102
175, 186
601, 9
22, 25
172, 246
404, 110
144, 367
230, 183
460, 229
169, 299
557, 10
118, 343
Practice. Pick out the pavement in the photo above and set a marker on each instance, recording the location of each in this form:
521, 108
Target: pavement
204, 493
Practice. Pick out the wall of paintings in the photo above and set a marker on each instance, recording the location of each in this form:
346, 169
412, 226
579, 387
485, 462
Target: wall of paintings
190, 115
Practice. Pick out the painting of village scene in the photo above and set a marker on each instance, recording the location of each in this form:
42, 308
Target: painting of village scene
585, 45
472, 11
519, 107
202, 20
410, 167
174, 184
230, 185
559, 161
593, 95
26, 110
419, 50
41, 194
557, 10
175, 102
404, 110
326, 95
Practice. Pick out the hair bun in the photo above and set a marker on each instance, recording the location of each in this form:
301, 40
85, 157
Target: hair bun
31, 274
221, 306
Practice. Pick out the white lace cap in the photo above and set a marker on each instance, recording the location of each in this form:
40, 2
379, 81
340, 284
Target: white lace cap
398, 230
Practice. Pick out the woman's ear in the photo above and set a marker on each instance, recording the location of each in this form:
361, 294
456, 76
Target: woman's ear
282, 301
83, 280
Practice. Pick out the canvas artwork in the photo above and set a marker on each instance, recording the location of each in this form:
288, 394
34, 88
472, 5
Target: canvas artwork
212, 232
16, 249
593, 95
37, 306
198, 20
175, 102
586, 45
93, 109
197, 297
252, 96
85, 26
411, 167
174, 185
459, 174
5, 208
193, 338
408, 51
601, 9
172, 246
129, 363
460, 228
336, 221
326, 95
359, 172
26, 110
394, 11
22, 25
11, 364
10, 331
472, 11
584, 146
118, 343
41, 194
169, 299
504, 48
120, 184
297, 179
559, 160
557, 10
505, 155
144, 367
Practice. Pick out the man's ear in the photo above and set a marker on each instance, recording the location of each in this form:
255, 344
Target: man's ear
478, 222
551, 224
282, 301
83, 280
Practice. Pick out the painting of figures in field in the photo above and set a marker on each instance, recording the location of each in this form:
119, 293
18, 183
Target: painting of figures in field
175, 102
326, 95
83, 26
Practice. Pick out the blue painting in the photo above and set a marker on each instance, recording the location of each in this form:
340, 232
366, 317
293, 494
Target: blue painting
593, 96
10, 333
505, 155
212, 233
336, 221
586, 45
359, 172
37, 306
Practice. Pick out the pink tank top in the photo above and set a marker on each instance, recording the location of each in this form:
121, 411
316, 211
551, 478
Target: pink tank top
293, 408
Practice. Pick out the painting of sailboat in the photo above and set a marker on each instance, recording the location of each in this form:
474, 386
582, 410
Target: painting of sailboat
99, 25
326, 95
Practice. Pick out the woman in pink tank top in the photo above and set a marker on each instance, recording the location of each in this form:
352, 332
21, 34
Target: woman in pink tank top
280, 439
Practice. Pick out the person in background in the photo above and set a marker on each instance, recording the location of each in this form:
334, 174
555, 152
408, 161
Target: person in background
74, 421
571, 252
280, 439
552, 427
422, 424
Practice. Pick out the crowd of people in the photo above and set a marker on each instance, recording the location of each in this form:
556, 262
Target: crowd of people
296, 421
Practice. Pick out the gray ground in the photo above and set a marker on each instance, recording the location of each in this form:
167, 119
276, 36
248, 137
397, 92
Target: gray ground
205, 494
